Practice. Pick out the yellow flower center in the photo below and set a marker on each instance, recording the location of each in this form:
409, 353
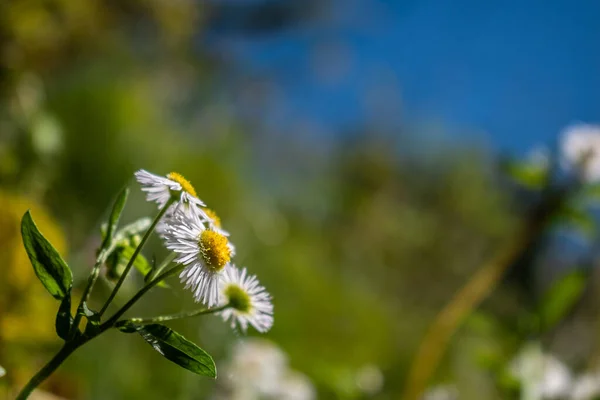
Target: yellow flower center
214, 249
213, 215
186, 186
238, 298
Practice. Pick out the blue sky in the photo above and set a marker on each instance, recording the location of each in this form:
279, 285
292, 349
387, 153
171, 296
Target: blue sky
514, 72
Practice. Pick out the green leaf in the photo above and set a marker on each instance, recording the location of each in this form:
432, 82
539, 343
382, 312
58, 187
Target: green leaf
560, 298
578, 219
178, 349
533, 175
47, 263
64, 320
115, 215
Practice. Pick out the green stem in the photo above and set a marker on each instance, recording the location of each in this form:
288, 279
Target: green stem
137, 251
166, 262
48, 369
75, 341
112, 320
78, 341
181, 315
88, 289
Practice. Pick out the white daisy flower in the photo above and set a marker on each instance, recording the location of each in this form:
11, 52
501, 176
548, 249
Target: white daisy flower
211, 218
161, 189
249, 301
204, 252
580, 147
187, 210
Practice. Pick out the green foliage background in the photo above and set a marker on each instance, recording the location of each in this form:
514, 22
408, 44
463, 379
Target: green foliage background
360, 241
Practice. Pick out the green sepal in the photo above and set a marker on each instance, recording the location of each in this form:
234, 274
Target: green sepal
176, 348
48, 265
64, 320
115, 215
560, 298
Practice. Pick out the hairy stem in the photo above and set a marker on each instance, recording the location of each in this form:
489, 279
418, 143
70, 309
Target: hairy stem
48, 369
74, 343
137, 251
111, 322
181, 315
76, 340
88, 289
166, 262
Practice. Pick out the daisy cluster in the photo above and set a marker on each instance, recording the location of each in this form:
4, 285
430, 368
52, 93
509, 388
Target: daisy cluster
194, 233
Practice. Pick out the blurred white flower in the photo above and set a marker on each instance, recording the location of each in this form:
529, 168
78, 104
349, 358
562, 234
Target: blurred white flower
542, 376
586, 387
441, 392
369, 379
2, 372
580, 147
204, 252
295, 386
259, 370
259, 364
250, 304
46, 135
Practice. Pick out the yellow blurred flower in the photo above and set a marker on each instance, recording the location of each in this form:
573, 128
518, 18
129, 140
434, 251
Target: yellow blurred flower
27, 311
